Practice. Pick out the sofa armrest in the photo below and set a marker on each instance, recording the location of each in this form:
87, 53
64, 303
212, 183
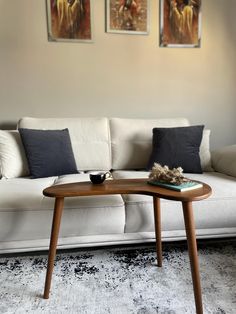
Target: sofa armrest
224, 160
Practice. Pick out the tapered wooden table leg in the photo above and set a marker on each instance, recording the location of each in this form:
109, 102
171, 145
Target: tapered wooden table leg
59, 203
193, 256
157, 222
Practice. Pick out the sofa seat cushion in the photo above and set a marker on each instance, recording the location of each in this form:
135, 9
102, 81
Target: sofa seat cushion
88, 201
27, 194
217, 211
223, 186
24, 194
25, 214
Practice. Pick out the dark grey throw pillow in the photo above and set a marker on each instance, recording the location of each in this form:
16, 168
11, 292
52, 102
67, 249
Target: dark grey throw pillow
49, 152
177, 147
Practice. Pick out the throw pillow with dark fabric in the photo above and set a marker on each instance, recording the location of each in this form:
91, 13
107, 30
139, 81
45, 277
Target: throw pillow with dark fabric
49, 152
177, 147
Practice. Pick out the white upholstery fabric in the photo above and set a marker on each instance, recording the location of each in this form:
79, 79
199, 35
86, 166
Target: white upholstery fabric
110, 239
26, 215
27, 194
90, 138
24, 194
224, 160
98, 202
205, 155
131, 142
13, 161
218, 211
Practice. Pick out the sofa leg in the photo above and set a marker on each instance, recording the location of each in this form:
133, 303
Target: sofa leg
59, 203
157, 222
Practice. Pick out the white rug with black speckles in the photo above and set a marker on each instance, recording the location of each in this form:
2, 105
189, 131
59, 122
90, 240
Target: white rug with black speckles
121, 281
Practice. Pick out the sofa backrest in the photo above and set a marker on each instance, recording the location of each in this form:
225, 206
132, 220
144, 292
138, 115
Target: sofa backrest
90, 139
100, 144
131, 140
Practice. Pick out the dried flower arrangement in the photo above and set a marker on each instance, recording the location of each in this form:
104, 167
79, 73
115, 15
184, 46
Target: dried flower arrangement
166, 175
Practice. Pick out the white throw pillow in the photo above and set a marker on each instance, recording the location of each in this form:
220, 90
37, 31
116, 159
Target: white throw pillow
13, 162
205, 155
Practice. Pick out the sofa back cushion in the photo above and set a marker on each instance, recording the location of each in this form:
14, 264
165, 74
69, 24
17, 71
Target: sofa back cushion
90, 139
131, 141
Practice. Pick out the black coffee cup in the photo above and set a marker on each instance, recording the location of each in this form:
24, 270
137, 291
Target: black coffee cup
99, 177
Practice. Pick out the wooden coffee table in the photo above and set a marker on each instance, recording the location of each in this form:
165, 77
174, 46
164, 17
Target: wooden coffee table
131, 186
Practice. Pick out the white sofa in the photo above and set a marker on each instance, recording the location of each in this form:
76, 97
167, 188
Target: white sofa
123, 145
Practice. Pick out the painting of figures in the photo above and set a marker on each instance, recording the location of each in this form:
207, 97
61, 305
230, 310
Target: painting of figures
69, 20
127, 16
180, 23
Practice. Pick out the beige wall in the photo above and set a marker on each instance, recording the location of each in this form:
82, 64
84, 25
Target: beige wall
118, 75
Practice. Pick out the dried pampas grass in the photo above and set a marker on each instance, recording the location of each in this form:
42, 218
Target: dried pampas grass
166, 175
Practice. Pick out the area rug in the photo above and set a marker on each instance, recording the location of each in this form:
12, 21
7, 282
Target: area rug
121, 281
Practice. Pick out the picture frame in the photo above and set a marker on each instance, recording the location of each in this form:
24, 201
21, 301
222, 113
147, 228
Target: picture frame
69, 20
180, 23
127, 16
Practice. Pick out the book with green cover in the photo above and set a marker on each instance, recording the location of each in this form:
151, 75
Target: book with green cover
186, 186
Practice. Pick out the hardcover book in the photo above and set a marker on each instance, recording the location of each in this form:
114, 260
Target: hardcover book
186, 186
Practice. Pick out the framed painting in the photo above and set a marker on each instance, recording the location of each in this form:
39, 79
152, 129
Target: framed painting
69, 20
127, 16
180, 23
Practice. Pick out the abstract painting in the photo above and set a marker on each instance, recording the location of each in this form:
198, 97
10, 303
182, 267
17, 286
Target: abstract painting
69, 20
180, 23
127, 16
